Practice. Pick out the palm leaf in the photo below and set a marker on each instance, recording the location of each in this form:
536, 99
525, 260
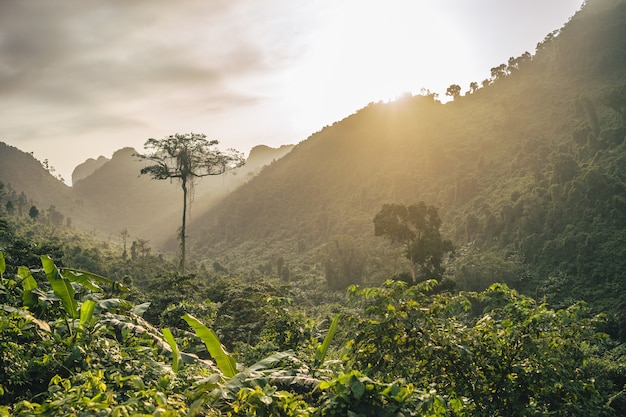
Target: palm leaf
3, 264
323, 348
86, 311
225, 362
90, 280
29, 284
169, 338
61, 286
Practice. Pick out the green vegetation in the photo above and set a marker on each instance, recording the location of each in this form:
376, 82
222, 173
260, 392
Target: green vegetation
73, 344
290, 305
416, 227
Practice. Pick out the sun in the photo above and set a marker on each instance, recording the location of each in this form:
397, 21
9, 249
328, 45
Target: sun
365, 51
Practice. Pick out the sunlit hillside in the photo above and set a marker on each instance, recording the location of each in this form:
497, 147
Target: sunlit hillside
528, 168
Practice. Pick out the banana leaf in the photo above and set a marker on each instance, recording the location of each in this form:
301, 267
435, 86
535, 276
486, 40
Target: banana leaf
322, 349
86, 312
29, 284
169, 338
90, 280
61, 286
225, 362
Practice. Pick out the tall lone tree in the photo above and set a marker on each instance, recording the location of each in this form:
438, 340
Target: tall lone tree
416, 227
187, 157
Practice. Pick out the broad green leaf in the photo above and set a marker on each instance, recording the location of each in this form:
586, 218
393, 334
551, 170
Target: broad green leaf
357, 387
225, 362
86, 311
140, 308
325, 385
61, 286
90, 280
169, 338
3, 264
323, 348
81, 279
114, 303
29, 284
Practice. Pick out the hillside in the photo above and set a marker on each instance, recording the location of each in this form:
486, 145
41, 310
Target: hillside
528, 170
87, 168
21, 173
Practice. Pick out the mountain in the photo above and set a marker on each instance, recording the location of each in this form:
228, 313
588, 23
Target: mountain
28, 183
528, 172
151, 209
21, 171
109, 196
87, 168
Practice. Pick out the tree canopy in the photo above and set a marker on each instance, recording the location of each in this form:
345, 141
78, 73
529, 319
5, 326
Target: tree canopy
187, 157
416, 227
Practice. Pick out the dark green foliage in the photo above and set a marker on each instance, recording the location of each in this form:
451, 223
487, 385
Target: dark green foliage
502, 352
33, 213
411, 352
416, 228
344, 264
529, 174
354, 394
21, 250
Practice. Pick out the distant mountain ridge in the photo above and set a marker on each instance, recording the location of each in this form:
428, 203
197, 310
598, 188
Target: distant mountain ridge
22, 173
144, 206
110, 195
87, 168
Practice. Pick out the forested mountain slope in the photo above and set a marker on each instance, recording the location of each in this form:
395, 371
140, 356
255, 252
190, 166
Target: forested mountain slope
531, 166
27, 183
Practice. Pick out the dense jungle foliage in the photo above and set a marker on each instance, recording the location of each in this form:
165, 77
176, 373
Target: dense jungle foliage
78, 343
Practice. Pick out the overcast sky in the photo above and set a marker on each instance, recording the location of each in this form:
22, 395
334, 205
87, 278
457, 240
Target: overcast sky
83, 78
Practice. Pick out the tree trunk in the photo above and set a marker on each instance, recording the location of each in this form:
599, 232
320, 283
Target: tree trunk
412, 262
182, 229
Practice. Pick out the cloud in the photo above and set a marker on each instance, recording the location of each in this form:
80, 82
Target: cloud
85, 51
94, 74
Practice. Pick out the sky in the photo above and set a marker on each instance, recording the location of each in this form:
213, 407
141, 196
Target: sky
84, 78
